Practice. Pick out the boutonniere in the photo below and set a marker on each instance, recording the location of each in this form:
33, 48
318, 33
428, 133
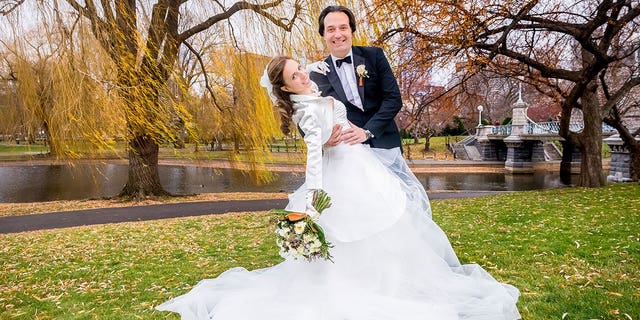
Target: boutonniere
362, 72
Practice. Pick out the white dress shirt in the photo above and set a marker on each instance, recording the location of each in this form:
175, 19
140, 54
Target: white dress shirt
347, 75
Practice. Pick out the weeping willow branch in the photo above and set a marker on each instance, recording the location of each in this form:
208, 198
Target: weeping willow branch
204, 73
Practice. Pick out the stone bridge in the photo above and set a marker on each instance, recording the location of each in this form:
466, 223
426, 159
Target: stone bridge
525, 142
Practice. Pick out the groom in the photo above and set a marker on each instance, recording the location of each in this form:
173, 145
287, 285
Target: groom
362, 79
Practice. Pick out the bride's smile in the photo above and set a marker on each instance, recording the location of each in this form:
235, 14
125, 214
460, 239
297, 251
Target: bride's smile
296, 78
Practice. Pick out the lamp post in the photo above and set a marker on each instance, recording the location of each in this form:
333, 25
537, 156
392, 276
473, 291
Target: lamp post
480, 108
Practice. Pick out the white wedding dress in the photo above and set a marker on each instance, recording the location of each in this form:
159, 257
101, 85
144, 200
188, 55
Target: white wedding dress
391, 261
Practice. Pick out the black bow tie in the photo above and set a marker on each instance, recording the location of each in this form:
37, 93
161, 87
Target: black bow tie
346, 59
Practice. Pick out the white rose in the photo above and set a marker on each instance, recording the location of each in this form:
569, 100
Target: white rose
283, 232
361, 70
309, 237
299, 227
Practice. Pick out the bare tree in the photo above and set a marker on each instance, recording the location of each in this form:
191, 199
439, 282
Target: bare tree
563, 48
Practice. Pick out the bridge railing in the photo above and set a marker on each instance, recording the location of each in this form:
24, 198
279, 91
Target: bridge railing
554, 127
608, 129
547, 127
504, 130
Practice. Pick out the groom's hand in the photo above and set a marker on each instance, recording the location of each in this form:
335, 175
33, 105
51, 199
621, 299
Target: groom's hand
336, 136
354, 135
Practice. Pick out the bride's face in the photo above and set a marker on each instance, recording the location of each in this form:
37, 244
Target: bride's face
296, 78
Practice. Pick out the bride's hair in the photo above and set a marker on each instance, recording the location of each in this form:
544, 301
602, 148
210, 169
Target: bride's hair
283, 101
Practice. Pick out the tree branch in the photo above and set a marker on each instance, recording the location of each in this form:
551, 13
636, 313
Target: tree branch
239, 6
108, 11
157, 30
8, 6
82, 10
171, 44
502, 42
544, 70
204, 73
99, 27
621, 93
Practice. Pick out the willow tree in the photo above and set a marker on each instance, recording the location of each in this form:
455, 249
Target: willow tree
566, 49
51, 68
145, 59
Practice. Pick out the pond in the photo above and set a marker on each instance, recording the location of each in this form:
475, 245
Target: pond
83, 181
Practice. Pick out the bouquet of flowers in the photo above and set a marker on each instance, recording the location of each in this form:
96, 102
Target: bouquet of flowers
299, 236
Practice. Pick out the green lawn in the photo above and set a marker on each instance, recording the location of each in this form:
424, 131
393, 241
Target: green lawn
570, 251
18, 148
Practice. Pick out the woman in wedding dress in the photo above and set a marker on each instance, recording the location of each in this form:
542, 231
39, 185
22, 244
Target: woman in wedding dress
390, 260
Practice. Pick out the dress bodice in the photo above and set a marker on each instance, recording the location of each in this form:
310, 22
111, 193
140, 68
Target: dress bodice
323, 112
315, 116
340, 114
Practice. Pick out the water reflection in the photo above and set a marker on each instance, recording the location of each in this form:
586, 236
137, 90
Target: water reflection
82, 181
489, 181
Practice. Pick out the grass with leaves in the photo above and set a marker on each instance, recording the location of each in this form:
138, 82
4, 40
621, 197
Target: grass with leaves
574, 254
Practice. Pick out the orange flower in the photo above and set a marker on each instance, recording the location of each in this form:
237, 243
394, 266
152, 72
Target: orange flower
296, 216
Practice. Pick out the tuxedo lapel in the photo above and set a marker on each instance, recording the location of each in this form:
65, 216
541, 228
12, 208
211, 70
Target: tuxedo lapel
334, 80
358, 60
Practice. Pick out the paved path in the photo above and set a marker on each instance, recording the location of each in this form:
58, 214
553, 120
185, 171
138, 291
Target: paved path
66, 219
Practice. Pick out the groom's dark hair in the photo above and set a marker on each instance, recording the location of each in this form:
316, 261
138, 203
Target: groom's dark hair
329, 9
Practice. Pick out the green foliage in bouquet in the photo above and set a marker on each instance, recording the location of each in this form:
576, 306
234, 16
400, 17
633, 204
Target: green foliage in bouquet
299, 236
321, 200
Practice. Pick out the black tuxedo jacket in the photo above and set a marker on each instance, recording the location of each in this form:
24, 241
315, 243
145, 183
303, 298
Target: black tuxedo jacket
379, 94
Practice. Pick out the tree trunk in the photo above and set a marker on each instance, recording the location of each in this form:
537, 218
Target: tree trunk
236, 143
590, 141
141, 88
53, 143
591, 174
631, 144
427, 143
565, 164
634, 153
143, 179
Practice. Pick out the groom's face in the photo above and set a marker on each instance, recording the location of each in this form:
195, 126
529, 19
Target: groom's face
337, 33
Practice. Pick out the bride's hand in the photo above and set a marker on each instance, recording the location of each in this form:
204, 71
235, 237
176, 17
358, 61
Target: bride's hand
354, 135
320, 67
336, 136
310, 210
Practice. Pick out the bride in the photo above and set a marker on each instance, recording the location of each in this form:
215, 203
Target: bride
390, 260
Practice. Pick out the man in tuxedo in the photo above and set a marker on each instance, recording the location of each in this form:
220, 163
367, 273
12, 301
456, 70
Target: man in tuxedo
362, 79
